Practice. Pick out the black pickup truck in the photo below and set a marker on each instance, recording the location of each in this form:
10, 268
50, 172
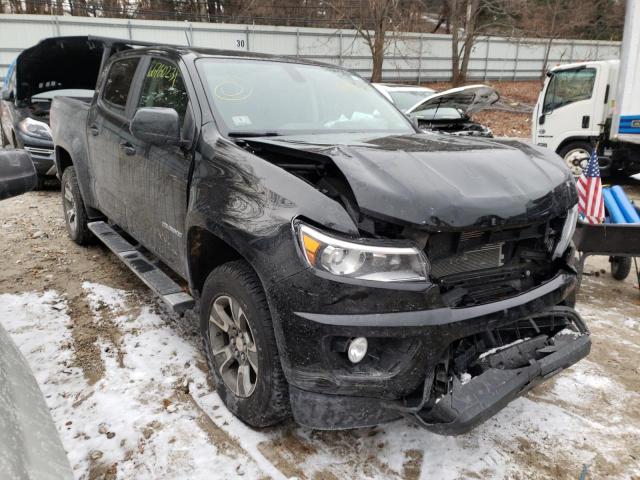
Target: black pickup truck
346, 268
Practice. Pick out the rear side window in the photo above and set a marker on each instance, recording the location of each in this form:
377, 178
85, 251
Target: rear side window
116, 89
163, 87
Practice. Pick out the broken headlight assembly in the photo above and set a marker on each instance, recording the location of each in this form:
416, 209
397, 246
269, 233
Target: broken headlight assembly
361, 259
567, 232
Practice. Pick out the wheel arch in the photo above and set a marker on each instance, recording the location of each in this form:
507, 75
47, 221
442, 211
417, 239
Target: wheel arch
569, 140
62, 159
206, 251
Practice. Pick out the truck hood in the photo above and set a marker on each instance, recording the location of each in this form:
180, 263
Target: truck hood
469, 99
439, 181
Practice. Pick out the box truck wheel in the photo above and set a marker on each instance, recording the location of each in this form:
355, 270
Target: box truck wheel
576, 155
620, 267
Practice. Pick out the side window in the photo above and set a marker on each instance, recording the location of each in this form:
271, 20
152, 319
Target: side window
163, 87
116, 88
569, 86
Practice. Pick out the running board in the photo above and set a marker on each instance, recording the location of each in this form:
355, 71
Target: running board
158, 281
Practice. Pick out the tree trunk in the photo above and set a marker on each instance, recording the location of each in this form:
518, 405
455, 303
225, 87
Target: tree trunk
455, 40
377, 54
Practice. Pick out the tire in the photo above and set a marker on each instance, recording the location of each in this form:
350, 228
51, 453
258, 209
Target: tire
573, 154
75, 214
620, 267
264, 399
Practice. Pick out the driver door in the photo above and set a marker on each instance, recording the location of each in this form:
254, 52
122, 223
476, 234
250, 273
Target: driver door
156, 176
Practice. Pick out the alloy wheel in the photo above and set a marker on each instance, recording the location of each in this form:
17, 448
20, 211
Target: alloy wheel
233, 346
70, 207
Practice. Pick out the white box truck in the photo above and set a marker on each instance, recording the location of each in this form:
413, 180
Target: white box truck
589, 103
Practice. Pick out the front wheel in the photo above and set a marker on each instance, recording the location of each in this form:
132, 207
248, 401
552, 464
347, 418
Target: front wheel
576, 156
75, 214
240, 345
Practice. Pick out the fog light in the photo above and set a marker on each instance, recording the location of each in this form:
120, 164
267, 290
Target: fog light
357, 349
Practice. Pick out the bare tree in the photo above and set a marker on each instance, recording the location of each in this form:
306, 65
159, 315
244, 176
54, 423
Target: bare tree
378, 23
468, 20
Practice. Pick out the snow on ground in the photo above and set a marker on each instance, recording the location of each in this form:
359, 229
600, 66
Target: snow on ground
153, 414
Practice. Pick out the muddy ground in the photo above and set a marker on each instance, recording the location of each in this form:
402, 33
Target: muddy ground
586, 419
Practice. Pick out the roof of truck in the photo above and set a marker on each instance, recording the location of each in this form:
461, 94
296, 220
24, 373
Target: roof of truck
201, 51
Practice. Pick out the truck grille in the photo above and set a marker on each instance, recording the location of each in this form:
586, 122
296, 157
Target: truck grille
487, 256
476, 267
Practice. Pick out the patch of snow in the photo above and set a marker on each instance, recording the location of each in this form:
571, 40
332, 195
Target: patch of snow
465, 378
158, 431
503, 347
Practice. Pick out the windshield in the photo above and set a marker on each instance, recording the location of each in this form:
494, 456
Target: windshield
435, 113
404, 99
264, 97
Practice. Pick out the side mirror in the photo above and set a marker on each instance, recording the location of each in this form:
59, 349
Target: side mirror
17, 173
157, 126
7, 95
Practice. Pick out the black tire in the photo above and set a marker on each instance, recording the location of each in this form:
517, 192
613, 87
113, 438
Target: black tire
620, 267
268, 401
567, 151
75, 214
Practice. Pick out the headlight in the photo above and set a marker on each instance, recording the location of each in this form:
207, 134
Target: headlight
35, 128
567, 232
361, 260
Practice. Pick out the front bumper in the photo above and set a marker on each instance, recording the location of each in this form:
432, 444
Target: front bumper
41, 151
328, 392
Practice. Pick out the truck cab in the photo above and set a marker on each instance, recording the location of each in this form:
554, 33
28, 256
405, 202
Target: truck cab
573, 108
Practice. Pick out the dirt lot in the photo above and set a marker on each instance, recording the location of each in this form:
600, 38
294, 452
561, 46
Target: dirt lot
128, 390
512, 116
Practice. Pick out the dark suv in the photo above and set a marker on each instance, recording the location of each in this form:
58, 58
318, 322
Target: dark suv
347, 269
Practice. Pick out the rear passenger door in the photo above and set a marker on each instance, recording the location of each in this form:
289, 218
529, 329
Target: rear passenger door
107, 121
158, 174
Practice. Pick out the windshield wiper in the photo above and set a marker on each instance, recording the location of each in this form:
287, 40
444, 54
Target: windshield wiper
254, 134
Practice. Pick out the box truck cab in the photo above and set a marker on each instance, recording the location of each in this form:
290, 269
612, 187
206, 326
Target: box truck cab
589, 103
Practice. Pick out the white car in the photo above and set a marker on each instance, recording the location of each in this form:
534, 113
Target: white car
448, 111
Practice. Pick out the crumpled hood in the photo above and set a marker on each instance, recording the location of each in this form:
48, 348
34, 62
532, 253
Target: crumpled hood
470, 99
442, 181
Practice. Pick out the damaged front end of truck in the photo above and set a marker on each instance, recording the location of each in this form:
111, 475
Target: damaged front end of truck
493, 314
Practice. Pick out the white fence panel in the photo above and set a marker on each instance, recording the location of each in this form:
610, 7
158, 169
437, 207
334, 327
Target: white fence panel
410, 57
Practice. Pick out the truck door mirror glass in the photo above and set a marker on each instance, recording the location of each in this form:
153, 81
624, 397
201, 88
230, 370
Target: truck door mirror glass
156, 125
17, 173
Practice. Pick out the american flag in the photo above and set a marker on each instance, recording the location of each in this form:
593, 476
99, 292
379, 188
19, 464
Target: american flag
591, 203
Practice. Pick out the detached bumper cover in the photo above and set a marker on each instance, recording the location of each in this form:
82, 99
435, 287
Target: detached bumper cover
462, 408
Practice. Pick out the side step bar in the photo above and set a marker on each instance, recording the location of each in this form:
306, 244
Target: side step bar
158, 281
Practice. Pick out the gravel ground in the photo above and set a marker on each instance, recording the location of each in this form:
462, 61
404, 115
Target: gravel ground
129, 393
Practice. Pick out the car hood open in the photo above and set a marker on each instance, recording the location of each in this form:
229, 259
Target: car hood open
470, 99
52, 64
440, 181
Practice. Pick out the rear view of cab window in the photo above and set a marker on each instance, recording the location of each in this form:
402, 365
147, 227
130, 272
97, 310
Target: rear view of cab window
119, 81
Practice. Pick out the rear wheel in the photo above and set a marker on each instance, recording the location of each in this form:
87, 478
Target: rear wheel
620, 267
240, 345
75, 214
576, 156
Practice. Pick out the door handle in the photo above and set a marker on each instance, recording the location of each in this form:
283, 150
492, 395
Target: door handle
94, 130
127, 147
